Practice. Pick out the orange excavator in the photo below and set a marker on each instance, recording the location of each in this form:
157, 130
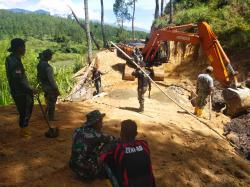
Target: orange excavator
236, 97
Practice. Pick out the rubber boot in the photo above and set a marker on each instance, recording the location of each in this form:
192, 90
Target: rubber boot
198, 111
195, 110
25, 133
141, 108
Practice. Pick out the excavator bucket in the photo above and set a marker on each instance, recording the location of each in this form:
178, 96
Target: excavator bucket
127, 73
158, 73
237, 100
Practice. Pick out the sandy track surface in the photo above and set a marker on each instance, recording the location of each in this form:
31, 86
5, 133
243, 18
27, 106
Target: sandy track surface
184, 152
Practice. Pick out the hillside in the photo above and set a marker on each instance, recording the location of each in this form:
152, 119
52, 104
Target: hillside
230, 19
42, 26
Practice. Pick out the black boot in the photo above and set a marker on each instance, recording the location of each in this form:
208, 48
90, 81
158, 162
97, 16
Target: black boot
141, 108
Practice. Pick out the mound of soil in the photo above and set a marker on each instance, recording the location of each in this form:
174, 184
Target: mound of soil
239, 133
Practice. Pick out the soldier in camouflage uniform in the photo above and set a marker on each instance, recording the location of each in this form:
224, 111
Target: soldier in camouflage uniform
137, 56
46, 78
88, 141
204, 88
20, 89
143, 84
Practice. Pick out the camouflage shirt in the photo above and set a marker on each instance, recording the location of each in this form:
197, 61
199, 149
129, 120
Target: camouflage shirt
86, 147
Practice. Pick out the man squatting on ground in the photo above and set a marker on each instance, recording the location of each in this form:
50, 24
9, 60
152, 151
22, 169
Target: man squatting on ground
88, 141
129, 159
45, 75
143, 84
96, 78
204, 88
20, 90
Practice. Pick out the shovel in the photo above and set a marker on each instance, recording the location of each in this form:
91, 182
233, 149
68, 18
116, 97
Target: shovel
210, 107
52, 132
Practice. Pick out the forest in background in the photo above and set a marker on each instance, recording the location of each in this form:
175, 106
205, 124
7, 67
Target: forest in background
63, 35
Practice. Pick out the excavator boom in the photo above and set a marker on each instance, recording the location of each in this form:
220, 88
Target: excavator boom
223, 71
237, 99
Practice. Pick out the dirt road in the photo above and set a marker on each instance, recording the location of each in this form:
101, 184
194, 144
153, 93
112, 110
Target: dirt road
184, 152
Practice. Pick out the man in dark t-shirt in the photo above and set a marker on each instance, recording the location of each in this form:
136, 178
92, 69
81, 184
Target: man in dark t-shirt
96, 78
129, 159
20, 89
45, 75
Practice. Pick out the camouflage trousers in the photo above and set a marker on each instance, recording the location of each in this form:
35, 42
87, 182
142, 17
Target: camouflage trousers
141, 93
202, 99
50, 98
87, 169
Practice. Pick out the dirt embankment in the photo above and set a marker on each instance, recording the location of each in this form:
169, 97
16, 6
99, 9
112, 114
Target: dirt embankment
184, 152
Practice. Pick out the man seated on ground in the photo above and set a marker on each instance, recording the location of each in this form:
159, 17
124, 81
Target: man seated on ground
128, 161
88, 141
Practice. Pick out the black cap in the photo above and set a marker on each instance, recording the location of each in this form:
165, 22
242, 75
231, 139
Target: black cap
15, 44
47, 53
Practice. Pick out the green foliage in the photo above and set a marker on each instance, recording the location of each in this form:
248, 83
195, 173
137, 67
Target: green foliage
120, 8
230, 19
63, 74
77, 66
54, 29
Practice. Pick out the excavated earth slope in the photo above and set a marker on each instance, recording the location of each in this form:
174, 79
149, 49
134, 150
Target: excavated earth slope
184, 152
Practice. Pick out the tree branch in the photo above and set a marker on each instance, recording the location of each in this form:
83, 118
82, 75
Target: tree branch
84, 28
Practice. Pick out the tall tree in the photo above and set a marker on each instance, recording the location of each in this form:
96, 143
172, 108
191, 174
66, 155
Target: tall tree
83, 26
120, 8
156, 9
132, 4
86, 9
171, 11
162, 7
105, 43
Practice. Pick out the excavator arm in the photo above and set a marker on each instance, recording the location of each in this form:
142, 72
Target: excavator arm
237, 98
223, 70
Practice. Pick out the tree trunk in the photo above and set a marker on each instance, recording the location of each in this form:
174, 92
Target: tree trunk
162, 7
156, 9
88, 31
171, 11
133, 20
105, 44
83, 26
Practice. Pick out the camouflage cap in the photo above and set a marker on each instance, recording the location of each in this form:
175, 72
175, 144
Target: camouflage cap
93, 117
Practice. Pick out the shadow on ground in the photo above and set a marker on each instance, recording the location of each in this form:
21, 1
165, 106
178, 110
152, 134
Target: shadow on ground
180, 157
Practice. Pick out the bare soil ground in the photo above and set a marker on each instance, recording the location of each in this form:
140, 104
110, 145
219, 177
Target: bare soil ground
184, 152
